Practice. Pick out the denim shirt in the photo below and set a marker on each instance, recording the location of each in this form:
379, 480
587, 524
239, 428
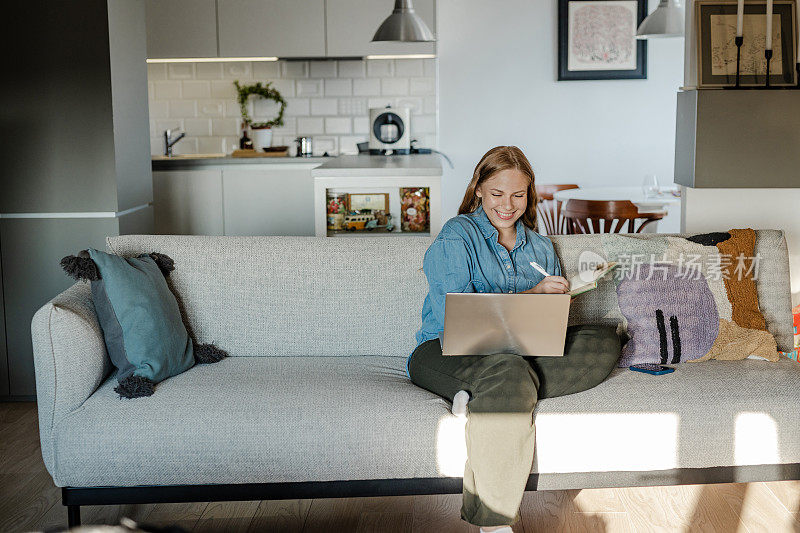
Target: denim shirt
466, 257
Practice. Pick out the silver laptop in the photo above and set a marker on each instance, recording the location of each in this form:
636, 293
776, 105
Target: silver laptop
524, 324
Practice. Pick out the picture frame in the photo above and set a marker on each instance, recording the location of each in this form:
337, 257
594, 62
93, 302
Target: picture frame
371, 201
716, 47
593, 40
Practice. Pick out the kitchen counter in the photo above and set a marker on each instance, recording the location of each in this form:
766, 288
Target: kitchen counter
188, 162
380, 165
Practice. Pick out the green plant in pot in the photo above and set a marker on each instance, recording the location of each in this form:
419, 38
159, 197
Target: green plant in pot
261, 131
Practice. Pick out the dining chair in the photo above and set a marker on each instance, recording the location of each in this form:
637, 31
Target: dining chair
549, 209
606, 216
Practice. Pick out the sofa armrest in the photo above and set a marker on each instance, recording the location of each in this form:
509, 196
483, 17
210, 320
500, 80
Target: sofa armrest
70, 359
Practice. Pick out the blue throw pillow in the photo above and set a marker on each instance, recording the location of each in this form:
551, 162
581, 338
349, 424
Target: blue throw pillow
140, 318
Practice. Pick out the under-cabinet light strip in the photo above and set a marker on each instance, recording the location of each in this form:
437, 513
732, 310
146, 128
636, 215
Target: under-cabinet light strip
209, 59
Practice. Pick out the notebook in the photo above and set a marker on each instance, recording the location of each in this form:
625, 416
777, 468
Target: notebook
586, 280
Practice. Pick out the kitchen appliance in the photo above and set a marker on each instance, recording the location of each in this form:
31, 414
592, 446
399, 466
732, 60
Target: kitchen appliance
390, 131
304, 147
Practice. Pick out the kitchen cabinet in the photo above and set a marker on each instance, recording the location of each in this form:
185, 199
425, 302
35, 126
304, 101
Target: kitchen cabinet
277, 201
351, 24
188, 202
181, 28
271, 28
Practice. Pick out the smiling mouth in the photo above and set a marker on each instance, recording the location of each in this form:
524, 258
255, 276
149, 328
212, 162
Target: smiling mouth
504, 216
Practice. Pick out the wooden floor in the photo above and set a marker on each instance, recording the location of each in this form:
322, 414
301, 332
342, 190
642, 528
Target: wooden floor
29, 501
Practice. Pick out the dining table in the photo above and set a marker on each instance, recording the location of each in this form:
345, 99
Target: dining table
651, 203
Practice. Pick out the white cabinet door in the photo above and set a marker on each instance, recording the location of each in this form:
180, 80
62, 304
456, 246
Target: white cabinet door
181, 28
266, 28
276, 201
187, 202
351, 24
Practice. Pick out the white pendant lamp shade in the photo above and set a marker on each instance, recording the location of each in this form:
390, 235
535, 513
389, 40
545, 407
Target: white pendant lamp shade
403, 25
666, 21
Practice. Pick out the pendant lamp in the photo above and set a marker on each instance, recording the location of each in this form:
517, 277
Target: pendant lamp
666, 21
403, 25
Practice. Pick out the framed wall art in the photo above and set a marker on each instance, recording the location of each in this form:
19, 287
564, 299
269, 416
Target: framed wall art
716, 46
597, 40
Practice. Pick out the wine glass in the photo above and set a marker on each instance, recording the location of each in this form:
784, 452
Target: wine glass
650, 186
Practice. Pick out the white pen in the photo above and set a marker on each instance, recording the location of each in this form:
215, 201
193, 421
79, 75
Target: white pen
538, 267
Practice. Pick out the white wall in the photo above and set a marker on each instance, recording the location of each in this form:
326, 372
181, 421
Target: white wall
497, 85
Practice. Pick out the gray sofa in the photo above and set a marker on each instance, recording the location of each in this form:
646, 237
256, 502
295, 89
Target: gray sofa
315, 400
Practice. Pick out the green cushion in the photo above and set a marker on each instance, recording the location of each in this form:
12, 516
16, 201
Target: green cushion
142, 326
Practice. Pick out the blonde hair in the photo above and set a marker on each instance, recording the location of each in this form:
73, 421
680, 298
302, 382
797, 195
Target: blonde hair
495, 160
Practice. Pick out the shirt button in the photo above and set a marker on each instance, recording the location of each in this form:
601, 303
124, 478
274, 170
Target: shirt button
510, 292
508, 266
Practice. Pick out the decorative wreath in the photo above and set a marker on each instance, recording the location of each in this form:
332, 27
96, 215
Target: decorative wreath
264, 91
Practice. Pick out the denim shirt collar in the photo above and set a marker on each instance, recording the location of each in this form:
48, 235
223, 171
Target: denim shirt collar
490, 232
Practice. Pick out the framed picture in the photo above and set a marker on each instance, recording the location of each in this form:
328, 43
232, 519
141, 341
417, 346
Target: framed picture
716, 47
597, 40
373, 202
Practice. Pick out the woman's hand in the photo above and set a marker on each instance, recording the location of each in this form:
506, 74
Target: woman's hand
550, 285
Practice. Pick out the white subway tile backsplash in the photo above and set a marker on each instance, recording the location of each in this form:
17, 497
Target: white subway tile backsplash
361, 125
329, 100
232, 109
297, 107
414, 103
394, 86
156, 71
182, 109
211, 145
408, 67
208, 71
158, 109
380, 102
422, 87
180, 71
324, 106
352, 69
223, 89
338, 125
338, 87
210, 108
193, 89
294, 69
380, 68
423, 124
166, 90
266, 69
367, 87
237, 70
323, 69
224, 126
349, 144
309, 87
309, 125
325, 144
429, 68
197, 127
429, 105
352, 106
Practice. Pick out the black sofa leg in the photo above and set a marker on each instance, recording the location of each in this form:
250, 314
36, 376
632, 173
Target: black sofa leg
73, 515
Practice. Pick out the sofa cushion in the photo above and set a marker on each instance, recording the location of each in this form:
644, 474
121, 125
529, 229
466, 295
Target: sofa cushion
278, 419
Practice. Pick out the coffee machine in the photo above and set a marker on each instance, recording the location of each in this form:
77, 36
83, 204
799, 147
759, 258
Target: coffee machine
390, 131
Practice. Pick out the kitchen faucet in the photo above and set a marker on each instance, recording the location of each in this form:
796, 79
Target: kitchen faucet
169, 142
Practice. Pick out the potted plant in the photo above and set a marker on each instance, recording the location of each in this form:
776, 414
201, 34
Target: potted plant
261, 131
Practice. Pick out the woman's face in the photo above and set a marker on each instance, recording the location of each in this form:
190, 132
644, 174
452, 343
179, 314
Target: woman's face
504, 197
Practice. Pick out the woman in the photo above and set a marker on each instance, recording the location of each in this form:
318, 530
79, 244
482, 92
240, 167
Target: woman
488, 247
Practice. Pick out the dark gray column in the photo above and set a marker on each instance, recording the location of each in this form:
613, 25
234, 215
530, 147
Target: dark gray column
75, 152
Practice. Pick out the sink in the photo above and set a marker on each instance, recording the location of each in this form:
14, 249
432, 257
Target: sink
187, 156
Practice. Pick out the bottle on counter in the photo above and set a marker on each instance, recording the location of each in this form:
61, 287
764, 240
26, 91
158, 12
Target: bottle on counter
245, 143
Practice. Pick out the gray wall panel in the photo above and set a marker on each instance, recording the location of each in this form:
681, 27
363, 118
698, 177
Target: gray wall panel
137, 223
127, 44
56, 129
32, 250
3, 353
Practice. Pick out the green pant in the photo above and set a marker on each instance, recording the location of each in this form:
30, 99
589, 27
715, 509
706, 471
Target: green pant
504, 389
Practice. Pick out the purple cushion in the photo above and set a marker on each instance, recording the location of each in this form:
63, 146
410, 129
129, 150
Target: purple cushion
671, 315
